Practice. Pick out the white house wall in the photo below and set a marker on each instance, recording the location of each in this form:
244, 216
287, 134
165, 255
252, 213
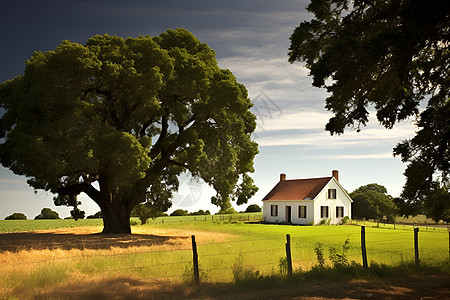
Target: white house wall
294, 204
342, 199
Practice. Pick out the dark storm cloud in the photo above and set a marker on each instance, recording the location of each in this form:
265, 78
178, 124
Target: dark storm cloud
227, 26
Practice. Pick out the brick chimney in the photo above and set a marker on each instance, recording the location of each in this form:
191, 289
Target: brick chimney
335, 174
282, 177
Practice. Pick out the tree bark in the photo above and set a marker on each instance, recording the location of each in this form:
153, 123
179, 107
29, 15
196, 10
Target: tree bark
116, 218
116, 211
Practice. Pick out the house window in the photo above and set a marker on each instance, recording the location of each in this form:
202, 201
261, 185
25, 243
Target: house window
332, 194
324, 211
274, 210
339, 211
302, 211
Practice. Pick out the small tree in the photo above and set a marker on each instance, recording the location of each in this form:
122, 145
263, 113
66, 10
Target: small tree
16, 216
145, 211
179, 212
97, 215
201, 212
77, 214
47, 213
253, 208
372, 202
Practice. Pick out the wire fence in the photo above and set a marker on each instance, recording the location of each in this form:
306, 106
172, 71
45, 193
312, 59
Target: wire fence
424, 226
241, 217
224, 261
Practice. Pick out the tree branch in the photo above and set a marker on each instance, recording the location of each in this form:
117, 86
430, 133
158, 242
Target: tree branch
156, 149
76, 189
176, 163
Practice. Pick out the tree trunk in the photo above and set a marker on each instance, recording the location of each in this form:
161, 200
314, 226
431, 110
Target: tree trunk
116, 219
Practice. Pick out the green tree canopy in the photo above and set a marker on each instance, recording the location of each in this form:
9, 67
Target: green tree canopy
97, 215
16, 216
145, 211
120, 119
77, 214
394, 56
47, 213
253, 208
372, 202
200, 212
179, 212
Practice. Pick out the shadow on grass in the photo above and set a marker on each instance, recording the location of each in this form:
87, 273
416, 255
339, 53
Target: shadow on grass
32, 240
412, 286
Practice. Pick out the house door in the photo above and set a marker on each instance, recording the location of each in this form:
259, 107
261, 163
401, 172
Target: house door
288, 214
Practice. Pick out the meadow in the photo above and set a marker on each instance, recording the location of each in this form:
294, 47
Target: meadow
60, 253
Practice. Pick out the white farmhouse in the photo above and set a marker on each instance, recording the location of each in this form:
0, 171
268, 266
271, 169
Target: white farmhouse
307, 201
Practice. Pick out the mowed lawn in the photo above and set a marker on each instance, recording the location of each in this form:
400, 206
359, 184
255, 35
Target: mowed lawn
224, 246
262, 245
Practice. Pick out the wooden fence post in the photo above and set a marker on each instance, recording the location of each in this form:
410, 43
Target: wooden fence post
416, 245
195, 260
363, 246
288, 254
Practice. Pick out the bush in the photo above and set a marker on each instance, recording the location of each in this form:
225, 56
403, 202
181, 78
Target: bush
340, 260
47, 213
16, 216
227, 211
320, 256
179, 212
324, 222
345, 220
201, 212
253, 208
97, 215
145, 211
77, 214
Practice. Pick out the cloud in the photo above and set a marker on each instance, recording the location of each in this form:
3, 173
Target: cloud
306, 128
12, 181
354, 156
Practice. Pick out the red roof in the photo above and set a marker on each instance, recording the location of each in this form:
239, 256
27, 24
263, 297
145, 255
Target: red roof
297, 189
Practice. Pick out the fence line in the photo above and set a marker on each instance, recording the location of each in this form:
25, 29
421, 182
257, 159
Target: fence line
206, 259
401, 225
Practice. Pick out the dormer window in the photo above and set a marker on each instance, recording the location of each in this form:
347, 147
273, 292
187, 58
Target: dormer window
331, 193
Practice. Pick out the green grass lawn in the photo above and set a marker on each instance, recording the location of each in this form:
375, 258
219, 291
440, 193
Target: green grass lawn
260, 246
252, 247
32, 225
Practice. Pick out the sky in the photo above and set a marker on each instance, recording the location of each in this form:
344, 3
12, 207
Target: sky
251, 38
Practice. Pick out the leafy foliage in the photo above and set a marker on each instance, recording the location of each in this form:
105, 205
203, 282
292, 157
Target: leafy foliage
16, 216
340, 260
77, 214
392, 56
145, 211
97, 215
179, 212
320, 256
200, 212
372, 202
253, 208
47, 213
131, 115
427, 175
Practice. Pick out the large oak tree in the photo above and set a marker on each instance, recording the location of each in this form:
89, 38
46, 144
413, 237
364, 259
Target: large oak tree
119, 119
393, 56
